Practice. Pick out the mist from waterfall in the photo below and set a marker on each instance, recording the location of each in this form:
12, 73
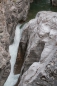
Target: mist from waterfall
13, 50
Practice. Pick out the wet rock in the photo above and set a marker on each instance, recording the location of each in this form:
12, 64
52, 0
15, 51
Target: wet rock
39, 41
11, 12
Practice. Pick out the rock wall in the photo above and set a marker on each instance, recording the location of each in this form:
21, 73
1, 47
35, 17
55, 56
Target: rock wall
15, 10
39, 41
11, 12
4, 43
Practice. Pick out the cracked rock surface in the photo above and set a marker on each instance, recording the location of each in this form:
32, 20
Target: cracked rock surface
11, 12
4, 43
39, 45
15, 11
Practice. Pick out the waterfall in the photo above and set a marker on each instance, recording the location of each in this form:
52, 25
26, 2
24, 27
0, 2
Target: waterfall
13, 50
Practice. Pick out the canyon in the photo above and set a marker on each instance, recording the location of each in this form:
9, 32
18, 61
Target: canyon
11, 12
36, 55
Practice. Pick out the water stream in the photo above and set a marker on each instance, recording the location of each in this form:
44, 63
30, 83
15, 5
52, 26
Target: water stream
13, 49
40, 5
37, 5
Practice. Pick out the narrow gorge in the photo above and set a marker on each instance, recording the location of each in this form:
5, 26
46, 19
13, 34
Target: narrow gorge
28, 43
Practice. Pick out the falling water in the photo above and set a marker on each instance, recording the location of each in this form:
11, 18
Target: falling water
13, 49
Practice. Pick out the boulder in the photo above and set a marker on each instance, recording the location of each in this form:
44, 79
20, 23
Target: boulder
39, 45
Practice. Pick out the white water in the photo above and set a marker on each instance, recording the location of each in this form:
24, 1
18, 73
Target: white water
13, 49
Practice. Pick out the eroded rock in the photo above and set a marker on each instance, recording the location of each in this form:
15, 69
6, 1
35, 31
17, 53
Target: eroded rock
41, 30
4, 43
15, 10
11, 12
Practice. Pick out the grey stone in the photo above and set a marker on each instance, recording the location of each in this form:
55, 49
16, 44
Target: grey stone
39, 41
11, 12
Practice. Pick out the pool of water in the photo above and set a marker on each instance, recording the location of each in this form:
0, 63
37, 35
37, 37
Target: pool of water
40, 5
